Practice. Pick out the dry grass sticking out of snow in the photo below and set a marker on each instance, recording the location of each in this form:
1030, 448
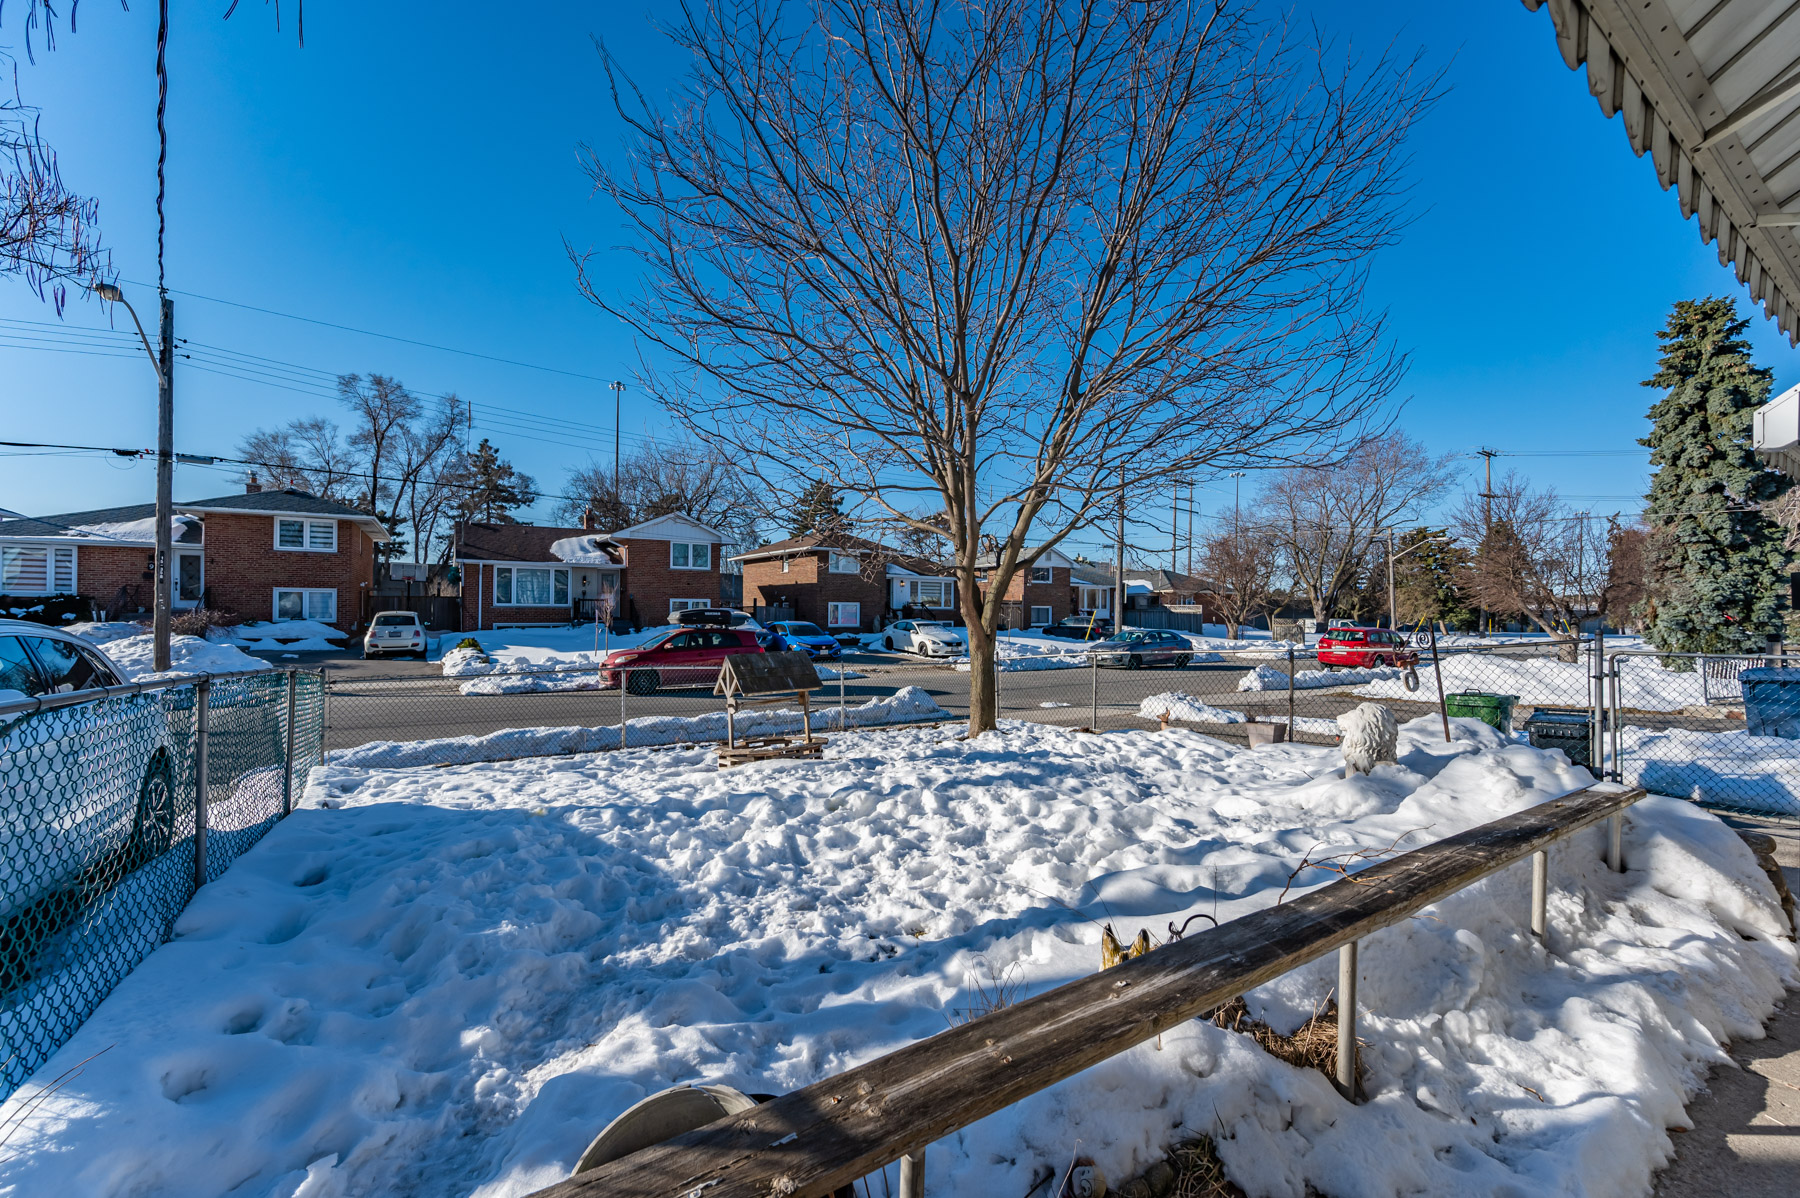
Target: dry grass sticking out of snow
444, 982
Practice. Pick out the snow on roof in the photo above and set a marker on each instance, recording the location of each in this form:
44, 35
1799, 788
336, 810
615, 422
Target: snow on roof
135, 531
585, 550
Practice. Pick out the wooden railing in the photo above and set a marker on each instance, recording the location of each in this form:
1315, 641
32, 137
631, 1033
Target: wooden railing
808, 1143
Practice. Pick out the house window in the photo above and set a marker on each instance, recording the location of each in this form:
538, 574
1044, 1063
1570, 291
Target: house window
843, 615
296, 604
1040, 573
689, 604
684, 555
785, 564
842, 563
36, 570
530, 586
930, 592
306, 536
1041, 615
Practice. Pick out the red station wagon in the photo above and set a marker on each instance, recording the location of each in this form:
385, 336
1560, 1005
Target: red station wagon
1364, 648
678, 657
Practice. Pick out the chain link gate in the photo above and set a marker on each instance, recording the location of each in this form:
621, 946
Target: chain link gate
114, 806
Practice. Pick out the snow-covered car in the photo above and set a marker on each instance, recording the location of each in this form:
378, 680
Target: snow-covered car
929, 638
394, 633
85, 782
803, 637
1136, 648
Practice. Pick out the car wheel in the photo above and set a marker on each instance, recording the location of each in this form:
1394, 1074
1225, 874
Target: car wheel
643, 682
1136, 662
154, 829
889, 642
1181, 660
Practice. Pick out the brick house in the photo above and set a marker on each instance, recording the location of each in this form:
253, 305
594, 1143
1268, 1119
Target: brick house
524, 575
266, 555
841, 583
1038, 596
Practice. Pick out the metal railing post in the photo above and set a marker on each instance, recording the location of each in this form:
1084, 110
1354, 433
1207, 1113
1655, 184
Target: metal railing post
287, 773
1346, 1021
843, 713
1615, 843
1093, 692
1291, 668
202, 735
912, 1175
1540, 893
1617, 764
624, 685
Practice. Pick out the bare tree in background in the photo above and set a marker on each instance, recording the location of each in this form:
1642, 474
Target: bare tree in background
48, 233
1240, 565
662, 480
1011, 262
1539, 557
307, 454
1326, 520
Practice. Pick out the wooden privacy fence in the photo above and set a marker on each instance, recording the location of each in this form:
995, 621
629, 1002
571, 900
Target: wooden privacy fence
810, 1142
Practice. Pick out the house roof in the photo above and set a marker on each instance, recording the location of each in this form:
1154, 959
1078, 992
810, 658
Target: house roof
1090, 576
1162, 580
476, 541
810, 543
668, 528
1708, 90
1052, 557
104, 523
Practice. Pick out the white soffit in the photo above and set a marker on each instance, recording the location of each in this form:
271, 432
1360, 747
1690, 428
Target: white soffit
1711, 89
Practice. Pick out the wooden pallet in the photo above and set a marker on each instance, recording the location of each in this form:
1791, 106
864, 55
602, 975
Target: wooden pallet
772, 748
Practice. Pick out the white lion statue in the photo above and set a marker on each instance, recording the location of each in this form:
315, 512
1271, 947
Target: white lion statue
1371, 736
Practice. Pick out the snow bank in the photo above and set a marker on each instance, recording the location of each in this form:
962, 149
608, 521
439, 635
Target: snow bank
1724, 769
134, 654
523, 650
104, 633
909, 704
1540, 681
448, 981
1181, 706
1268, 678
279, 634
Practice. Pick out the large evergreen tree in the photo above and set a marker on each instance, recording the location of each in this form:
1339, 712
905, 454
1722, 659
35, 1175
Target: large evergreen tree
493, 488
818, 511
1716, 569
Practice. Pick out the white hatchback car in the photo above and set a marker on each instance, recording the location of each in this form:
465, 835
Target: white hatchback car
83, 783
393, 634
929, 638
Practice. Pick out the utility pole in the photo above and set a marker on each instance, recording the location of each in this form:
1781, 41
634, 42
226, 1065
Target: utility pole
1175, 530
618, 390
1487, 510
165, 485
1119, 565
1190, 529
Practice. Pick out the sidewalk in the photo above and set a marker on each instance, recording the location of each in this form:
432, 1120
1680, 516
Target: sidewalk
1746, 1137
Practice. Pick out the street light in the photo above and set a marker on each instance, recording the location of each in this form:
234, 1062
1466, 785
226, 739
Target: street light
1441, 539
165, 464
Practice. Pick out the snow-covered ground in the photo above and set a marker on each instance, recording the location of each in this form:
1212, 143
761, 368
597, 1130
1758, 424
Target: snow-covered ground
1268, 678
1537, 681
132, 649
293, 636
1182, 707
1724, 769
444, 982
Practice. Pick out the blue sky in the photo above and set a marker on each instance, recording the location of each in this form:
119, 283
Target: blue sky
413, 171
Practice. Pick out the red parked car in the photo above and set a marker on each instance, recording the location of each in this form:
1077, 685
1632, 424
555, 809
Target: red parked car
678, 657
1365, 648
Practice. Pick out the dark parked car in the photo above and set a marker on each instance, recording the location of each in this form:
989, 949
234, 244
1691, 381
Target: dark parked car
678, 657
1076, 628
1136, 648
1365, 648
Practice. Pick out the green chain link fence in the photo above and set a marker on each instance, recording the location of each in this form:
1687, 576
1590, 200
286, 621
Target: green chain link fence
104, 841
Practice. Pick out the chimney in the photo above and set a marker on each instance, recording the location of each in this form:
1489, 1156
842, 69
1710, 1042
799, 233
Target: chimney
588, 520
251, 486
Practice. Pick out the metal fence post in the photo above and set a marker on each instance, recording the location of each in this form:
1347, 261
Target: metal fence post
202, 735
1615, 842
287, 774
1093, 692
1540, 893
912, 1175
1291, 668
624, 685
1597, 729
1346, 1021
843, 715
1617, 765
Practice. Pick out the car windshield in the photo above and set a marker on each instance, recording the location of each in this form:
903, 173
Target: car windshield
944, 624
396, 620
803, 629
1138, 638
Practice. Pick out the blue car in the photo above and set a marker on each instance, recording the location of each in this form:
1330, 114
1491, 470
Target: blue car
803, 637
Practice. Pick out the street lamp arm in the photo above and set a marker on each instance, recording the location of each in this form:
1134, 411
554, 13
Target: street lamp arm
155, 362
1421, 545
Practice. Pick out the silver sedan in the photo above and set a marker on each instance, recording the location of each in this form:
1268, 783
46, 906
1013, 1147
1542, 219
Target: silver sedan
1136, 648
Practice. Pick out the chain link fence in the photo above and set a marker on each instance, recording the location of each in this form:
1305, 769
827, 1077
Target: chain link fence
106, 841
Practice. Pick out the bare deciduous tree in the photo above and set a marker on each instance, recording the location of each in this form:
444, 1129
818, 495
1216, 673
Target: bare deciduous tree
48, 233
1240, 565
1540, 559
1326, 519
1009, 262
660, 480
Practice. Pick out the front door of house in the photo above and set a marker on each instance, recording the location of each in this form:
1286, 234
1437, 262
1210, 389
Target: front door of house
190, 578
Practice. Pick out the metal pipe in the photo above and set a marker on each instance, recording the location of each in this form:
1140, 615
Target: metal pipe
1540, 893
1618, 773
1437, 672
1346, 1021
1615, 843
843, 715
202, 738
624, 685
1291, 668
1093, 693
912, 1175
287, 773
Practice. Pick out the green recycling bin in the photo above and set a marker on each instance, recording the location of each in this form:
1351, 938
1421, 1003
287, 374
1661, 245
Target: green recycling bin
1480, 705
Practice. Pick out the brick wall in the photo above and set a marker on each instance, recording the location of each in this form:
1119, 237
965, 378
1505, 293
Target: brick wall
810, 588
101, 571
650, 582
479, 611
243, 567
1055, 594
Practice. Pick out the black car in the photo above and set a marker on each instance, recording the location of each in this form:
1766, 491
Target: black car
1136, 648
1078, 629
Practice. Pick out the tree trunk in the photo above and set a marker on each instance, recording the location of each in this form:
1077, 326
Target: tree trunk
1231, 630
983, 712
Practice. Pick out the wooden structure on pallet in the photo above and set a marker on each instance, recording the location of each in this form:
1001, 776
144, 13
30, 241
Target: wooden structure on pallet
765, 680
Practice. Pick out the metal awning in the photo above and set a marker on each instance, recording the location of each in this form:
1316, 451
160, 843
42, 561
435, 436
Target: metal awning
1711, 89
